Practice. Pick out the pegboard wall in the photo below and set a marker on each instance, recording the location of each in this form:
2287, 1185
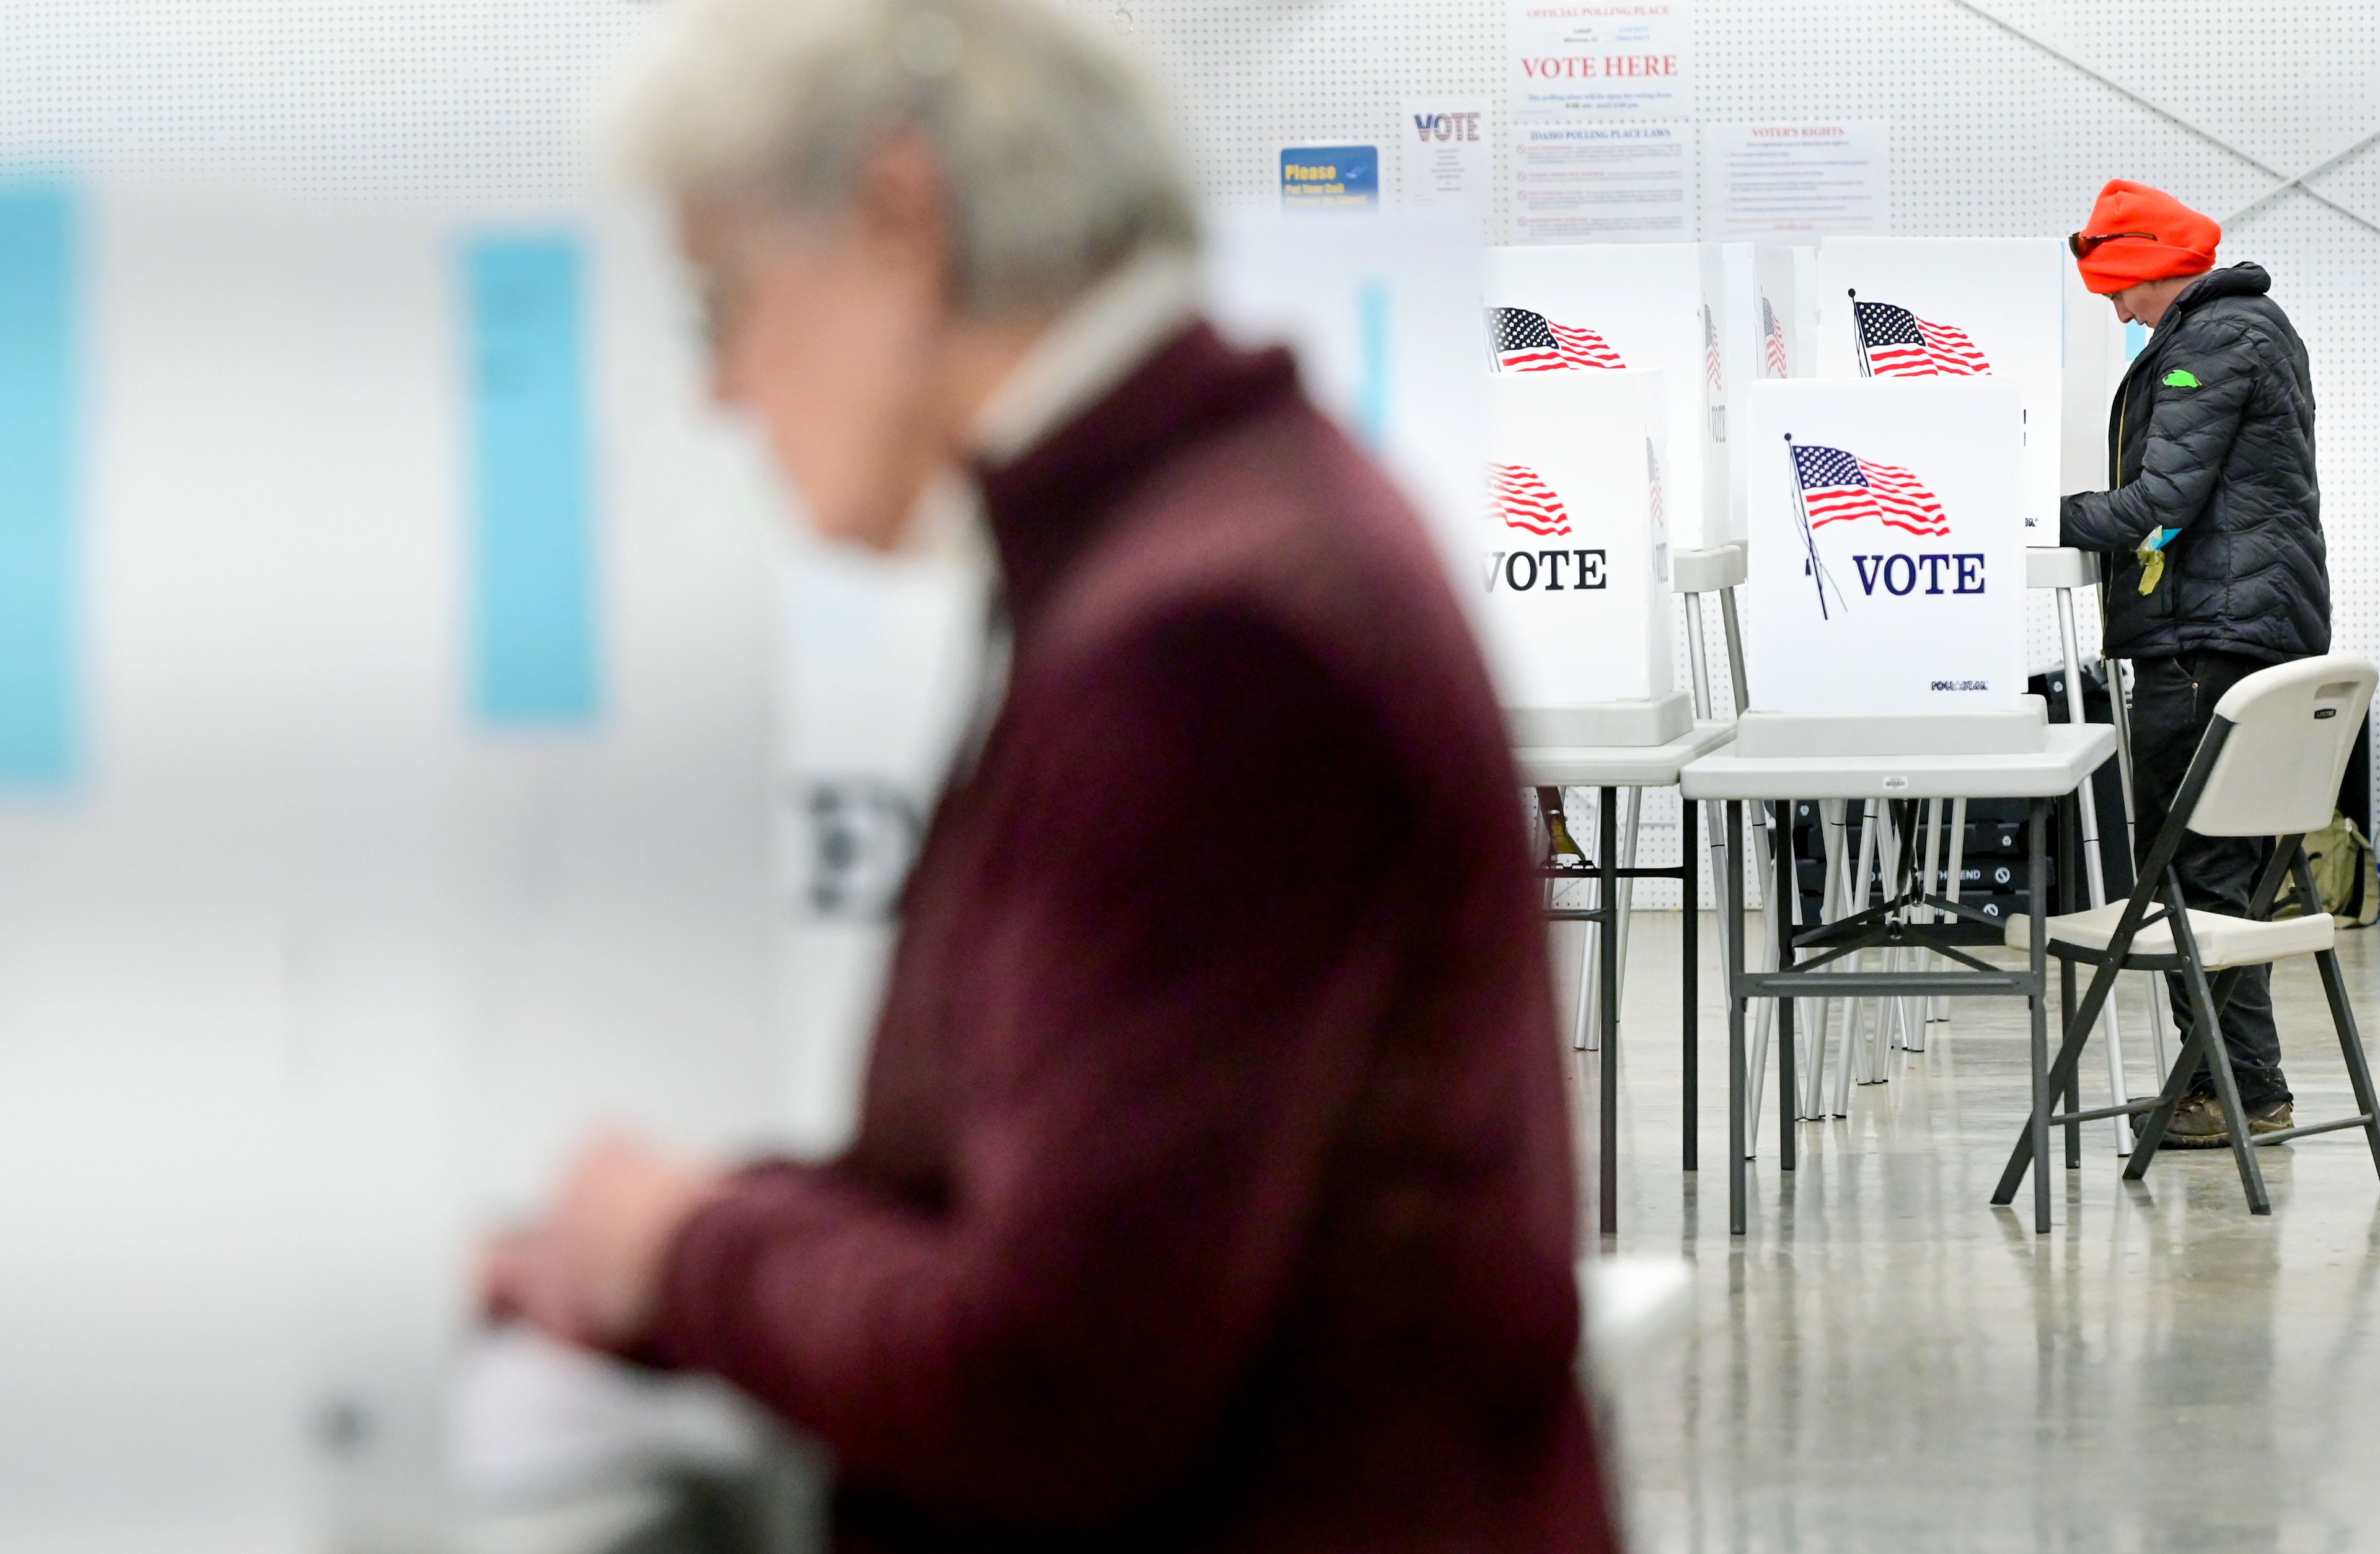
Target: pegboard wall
377, 103
2006, 117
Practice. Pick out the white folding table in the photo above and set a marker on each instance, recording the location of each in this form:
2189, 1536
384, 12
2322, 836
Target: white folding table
1608, 769
2069, 754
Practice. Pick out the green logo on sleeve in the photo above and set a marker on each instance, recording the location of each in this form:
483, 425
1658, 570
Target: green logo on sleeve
2181, 377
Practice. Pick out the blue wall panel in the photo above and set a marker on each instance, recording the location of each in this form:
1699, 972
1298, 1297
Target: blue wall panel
40, 731
535, 650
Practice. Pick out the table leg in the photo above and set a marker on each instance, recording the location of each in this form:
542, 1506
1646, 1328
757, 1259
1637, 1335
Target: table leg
2069, 838
1785, 888
1607, 853
1690, 947
2037, 880
1732, 905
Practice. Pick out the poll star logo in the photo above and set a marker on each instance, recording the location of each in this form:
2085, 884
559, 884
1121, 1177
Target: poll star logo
1520, 340
1835, 485
1521, 498
1896, 343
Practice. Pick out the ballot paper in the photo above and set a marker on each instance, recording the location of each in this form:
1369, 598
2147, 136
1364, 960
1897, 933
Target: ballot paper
535, 1422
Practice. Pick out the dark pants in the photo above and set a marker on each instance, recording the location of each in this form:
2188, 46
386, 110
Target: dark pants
2173, 700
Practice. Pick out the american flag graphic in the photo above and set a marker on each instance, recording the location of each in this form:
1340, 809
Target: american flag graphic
1837, 485
1522, 499
1772, 335
1901, 345
1710, 353
1527, 342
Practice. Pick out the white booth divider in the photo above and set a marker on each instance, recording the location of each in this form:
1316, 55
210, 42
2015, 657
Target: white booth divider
1908, 308
1382, 311
1887, 560
1614, 306
1572, 548
1751, 290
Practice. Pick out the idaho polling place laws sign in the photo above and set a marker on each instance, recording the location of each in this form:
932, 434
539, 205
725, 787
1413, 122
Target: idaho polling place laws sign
1330, 178
1887, 546
1573, 568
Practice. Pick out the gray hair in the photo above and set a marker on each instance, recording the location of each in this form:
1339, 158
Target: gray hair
1057, 162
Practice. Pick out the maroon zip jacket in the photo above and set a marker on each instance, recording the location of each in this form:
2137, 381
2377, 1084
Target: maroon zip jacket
1213, 1188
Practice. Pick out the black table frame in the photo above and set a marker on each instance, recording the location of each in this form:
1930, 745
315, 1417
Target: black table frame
1969, 928
1605, 868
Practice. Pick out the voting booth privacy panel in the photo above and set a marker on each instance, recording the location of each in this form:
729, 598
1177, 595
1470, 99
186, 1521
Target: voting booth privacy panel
1571, 554
1904, 308
1887, 555
1613, 307
1379, 311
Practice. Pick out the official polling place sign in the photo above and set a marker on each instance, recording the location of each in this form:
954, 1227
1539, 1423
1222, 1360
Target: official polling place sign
1572, 563
1599, 308
1330, 178
1925, 308
1886, 558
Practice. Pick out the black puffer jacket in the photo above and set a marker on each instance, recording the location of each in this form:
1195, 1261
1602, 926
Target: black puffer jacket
2211, 434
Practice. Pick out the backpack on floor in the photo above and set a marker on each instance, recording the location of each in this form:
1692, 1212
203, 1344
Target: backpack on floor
2344, 873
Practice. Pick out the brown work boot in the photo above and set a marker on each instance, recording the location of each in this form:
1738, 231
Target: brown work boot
2196, 1123
2272, 1117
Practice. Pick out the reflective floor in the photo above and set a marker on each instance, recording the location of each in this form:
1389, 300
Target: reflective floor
1888, 1363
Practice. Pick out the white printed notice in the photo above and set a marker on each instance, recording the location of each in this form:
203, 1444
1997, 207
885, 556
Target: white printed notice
1798, 181
1602, 183
1602, 61
1446, 159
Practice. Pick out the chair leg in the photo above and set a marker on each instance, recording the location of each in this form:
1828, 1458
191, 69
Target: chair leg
2350, 1047
1852, 1064
2227, 1085
1731, 817
2073, 1091
2177, 1084
2061, 1071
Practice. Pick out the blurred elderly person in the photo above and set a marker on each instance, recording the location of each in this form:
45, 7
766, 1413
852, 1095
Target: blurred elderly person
1213, 1185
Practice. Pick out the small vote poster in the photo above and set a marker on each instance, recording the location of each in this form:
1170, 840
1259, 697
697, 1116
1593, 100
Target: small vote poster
1602, 61
1573, 565
1330, 178
1446, 160
1887, 557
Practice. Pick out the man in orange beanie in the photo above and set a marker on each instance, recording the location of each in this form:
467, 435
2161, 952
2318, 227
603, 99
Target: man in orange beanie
2213, 533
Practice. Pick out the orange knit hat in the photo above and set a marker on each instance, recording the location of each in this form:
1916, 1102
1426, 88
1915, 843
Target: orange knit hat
2142, 234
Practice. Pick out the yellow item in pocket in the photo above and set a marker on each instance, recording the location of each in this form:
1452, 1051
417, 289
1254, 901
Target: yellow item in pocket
2152, 558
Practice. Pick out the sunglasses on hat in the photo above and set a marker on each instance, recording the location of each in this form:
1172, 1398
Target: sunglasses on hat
2078, 243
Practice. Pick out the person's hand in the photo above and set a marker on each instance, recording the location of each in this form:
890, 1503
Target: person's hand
589, 1272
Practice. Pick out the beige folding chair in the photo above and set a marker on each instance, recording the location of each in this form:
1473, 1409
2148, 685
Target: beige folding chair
2269, 766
